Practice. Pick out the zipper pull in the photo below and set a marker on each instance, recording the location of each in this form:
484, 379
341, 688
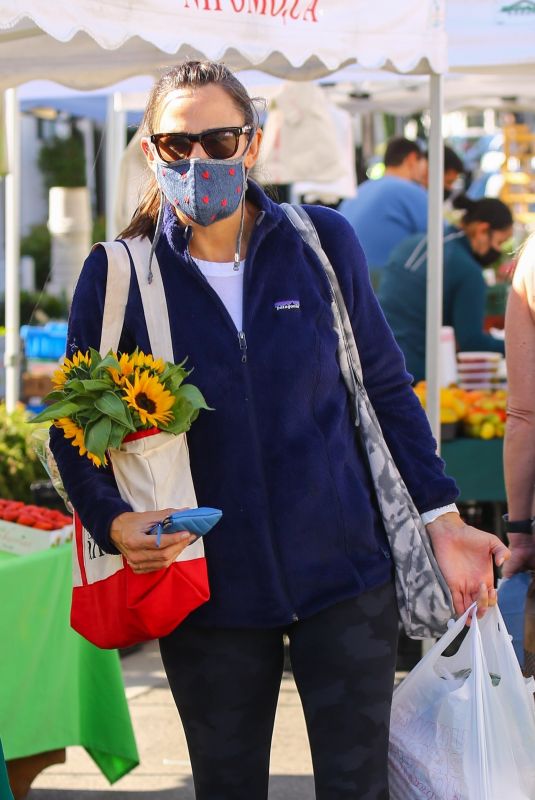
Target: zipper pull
243, 346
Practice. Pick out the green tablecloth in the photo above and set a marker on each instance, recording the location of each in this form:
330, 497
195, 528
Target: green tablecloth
477, 466
56, 689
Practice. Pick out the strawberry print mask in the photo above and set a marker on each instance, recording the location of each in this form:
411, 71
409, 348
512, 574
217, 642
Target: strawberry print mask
204, 189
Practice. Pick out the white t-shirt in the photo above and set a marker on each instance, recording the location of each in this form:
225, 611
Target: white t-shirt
228, 283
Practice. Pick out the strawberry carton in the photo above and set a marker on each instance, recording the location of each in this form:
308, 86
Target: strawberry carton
28, 528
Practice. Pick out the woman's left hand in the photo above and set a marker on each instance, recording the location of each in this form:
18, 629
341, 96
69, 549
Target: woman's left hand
465, 555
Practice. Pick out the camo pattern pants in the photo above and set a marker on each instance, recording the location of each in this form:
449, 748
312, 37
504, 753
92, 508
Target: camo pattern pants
226, 682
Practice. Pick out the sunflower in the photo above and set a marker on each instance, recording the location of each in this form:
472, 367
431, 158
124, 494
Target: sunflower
80, 358
73, 431
59, 376
62, 374
149, 398
148, 361
126, 368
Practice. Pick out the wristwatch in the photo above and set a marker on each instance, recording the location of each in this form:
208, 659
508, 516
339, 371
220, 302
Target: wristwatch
517, 525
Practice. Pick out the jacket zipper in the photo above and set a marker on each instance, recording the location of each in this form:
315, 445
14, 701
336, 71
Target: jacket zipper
242, 341
243, 346
252, 416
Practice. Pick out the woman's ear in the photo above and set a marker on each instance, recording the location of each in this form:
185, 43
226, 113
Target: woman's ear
148, 151
254, 149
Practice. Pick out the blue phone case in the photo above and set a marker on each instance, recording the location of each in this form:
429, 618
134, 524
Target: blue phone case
195, 520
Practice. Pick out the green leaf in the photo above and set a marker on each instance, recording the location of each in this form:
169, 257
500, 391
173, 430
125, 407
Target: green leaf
108, 362
113, 407
193, 395
173, 372
95, 359
54, 397
118, 432
81, 372
88, 385
97, 436
64, 408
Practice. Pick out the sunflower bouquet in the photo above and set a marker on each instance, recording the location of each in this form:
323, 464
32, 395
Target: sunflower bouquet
100, 401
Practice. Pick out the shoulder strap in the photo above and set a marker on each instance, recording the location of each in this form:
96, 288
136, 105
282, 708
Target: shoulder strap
117, 287
152, 297
348, 353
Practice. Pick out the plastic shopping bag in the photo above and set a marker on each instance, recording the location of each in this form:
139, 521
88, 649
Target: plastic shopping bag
463, 726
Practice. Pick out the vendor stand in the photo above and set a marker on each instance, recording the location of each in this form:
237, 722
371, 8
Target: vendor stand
56, 688
476, 465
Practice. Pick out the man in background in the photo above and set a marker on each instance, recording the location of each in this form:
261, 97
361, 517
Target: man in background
386, 211
453, 169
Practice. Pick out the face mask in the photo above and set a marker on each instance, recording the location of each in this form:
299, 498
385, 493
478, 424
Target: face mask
204, 190
488, 258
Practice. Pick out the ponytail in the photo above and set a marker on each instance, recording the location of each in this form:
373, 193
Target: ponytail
488, 209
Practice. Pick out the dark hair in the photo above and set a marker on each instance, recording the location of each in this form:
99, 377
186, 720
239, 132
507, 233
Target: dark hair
398, 149
192, 74
488, 209
452, 160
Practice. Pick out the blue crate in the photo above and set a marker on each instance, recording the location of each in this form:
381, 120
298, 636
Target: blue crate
48, 341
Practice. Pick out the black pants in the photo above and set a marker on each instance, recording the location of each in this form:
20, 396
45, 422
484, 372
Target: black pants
225, 682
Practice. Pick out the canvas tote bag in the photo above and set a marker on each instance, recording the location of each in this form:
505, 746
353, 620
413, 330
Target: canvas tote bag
111, 605
423, 596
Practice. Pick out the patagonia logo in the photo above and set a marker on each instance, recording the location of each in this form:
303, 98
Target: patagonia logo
287, 305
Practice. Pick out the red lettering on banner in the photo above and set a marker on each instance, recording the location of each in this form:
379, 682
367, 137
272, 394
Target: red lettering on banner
254, 4
292, 14
286, 9
205, 5
276, 11
312, 11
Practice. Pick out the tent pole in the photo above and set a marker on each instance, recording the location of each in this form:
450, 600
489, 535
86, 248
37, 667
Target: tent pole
435, 256
115, 146
12, 249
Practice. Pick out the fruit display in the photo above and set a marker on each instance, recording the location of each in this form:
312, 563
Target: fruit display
28, 528
486, 414
476, 413
39, 517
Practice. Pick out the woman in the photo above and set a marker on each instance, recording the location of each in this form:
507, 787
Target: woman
519, 446
301, 549
485, 226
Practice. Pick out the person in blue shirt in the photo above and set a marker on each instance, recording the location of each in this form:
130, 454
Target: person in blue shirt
485, 226
385, 211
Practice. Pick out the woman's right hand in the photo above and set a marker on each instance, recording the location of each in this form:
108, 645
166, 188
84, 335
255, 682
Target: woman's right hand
129, 534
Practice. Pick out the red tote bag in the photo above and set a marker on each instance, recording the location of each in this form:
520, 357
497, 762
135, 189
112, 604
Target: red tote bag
111, 605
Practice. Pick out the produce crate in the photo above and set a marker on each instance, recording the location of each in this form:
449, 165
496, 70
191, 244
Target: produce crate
23, 527
35, 385
48, 341
21, 539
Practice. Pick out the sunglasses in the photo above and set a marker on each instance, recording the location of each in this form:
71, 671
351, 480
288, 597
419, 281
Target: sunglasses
220, 143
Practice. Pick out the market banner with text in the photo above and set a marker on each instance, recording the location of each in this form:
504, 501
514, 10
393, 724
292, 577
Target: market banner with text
290, 38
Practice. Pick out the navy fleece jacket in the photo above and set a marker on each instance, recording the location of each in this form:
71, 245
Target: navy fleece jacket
300, 530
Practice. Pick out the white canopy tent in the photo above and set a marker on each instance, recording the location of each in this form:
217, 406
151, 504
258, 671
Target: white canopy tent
90, 43
492, 37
